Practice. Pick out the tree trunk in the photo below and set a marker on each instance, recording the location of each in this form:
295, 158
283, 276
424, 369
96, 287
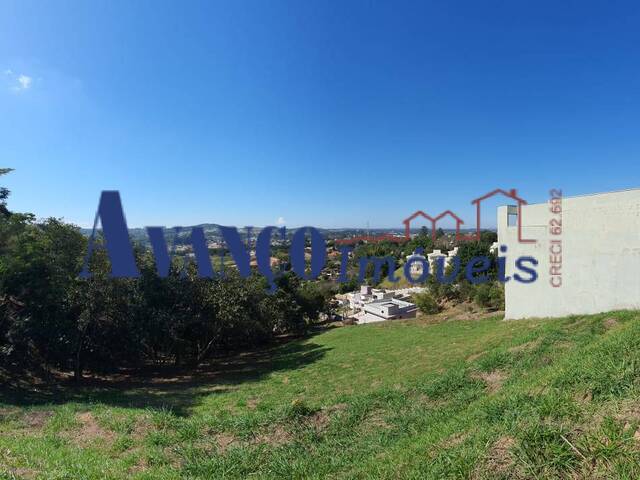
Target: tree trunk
77, 370
204, 352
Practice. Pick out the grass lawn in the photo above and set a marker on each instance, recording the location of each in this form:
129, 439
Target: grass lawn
557, 398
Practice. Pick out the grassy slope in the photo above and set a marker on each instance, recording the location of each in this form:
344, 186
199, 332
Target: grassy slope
462, 399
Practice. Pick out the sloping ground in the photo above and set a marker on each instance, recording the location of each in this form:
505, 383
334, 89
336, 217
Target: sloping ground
557, 398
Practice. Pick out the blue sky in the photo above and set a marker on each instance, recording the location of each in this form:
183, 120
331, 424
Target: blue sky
319, 113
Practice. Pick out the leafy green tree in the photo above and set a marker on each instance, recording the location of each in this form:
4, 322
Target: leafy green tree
50, 317
4, 194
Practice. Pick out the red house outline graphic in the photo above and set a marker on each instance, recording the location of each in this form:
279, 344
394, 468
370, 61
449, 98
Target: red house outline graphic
512, 194
407, 223
434, 221
458, 220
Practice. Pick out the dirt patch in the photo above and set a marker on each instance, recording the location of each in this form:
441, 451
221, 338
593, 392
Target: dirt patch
629, 411
494, 379
141, 466
629, 414
25, 473
376, 420
224, 441
90, 430
252, 403
583, 397
498, 461
142, 428
609, 323
454, 440
274, 437
37, 420
338, 407
319, 420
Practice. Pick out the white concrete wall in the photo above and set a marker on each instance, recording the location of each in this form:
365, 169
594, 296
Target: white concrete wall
600, 256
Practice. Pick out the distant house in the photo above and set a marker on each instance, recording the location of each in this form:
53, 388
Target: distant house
417, 264
418, 261
377, 305
357, 300
386, 309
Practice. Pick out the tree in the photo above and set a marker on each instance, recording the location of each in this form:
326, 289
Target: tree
51, 317
4, 194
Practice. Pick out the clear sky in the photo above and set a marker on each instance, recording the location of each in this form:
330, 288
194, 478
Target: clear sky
322, 113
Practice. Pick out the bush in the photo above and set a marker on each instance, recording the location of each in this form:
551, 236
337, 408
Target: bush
490, 295
426, 303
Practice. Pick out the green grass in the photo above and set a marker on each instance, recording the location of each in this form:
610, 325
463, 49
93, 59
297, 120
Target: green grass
556, 398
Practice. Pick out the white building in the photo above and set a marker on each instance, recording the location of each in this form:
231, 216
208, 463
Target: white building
416, 267
377, 305
588, 254
357, 300
433, 257
387, 309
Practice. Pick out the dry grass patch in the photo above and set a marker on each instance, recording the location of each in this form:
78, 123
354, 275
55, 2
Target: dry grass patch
274, 437
90, 431
498, 461
224, 441
37, 420
454, 440
583, 397
23, 473
493, 379
375, 421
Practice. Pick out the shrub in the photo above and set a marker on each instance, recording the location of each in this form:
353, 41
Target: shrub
490, 295
426, 303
